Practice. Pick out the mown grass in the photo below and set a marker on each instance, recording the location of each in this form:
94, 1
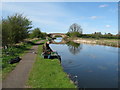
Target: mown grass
48, 73
13, 52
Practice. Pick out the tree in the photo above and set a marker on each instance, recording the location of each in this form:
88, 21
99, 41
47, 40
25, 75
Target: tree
97, 33
14, 29
75, 30
36, 33
6, 32
44, 35
0, 33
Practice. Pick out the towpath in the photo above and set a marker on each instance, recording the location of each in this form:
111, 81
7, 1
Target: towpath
18, 77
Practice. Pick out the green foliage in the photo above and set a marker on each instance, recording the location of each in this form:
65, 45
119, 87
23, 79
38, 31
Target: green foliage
70, 43
73, 47
13, 52
43, 35
58, 36
74, 34
36, 33
96, 35
14, 29
0, 32
75, 30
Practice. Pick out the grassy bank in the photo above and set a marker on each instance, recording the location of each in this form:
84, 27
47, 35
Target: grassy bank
106, 42
47, 73
13, 52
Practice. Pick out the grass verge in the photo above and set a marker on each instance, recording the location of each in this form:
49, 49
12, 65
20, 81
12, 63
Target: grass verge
47, 73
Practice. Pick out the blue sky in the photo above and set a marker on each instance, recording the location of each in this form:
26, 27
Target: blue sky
56, 17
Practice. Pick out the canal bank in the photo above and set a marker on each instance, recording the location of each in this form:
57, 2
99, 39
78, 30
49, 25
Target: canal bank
48, 73
91, 66
105, 42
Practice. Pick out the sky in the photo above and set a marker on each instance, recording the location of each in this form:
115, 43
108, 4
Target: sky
56, 17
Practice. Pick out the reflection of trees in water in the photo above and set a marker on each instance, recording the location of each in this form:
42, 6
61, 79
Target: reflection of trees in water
74, 48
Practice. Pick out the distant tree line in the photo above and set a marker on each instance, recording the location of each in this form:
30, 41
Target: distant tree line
16, 28
36, 33
75, 30
98, 35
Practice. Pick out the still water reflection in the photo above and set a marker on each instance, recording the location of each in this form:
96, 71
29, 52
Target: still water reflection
58, 39
90, 66
74, 48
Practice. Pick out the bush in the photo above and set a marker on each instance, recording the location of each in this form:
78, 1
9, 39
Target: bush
36, 33
14, 29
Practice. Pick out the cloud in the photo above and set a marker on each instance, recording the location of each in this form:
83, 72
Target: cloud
96, 17
45, 17
93, 17
104, 5
46, 9
107, 26
54, 17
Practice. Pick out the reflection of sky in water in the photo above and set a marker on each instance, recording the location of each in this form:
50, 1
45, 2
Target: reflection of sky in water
95, 66
102, 67
58, 39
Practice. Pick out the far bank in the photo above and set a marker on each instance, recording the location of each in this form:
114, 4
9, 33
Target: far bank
106, 42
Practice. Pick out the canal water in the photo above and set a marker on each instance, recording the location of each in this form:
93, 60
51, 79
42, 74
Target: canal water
89, 66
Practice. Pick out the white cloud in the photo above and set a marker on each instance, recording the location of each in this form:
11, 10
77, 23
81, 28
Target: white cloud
48, 10
96, 17
107, 26
47, 13
93, 17
44, 17
104, 5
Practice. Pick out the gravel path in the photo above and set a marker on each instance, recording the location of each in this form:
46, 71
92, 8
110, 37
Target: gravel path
18, 77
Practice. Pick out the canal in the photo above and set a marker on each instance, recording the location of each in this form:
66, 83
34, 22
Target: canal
89, 66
